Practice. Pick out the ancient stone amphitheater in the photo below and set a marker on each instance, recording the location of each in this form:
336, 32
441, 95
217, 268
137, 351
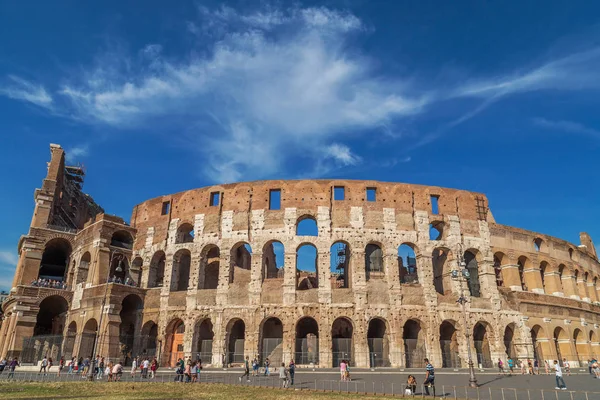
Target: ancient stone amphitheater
311, 270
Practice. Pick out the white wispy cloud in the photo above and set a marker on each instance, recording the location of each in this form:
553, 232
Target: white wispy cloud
21, 89
259, 94
566, 126
77, 152
8, 257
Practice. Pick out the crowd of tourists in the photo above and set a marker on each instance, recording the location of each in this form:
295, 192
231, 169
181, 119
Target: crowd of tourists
286, 372
49, 283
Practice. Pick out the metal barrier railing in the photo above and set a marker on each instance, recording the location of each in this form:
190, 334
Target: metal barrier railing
326, 385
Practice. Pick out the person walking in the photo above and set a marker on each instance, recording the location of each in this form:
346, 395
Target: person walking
12, 366
547, 367
188, 371
536, 367
101, 368
567, 366
246, 370
44, 365
153, 368
283, 376
267, 364
511, 365
429, 378
292, 369
560, 382
2, 365
134, 366
61, 365
145, 366
500, 366
49, 364
255, 367
198, 369
71, 365
343, 367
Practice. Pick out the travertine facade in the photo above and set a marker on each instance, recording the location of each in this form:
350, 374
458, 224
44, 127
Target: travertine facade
209, 281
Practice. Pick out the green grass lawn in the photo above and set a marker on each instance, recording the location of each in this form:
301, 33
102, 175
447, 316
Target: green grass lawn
150, 391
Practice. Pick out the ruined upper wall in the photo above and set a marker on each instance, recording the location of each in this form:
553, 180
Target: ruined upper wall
306, 196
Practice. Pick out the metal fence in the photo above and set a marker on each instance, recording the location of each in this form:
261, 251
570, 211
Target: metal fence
324, 385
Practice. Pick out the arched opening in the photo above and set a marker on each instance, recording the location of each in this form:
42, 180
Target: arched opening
69, 343
122, 239
543, 268
340, 265
149, 335
407, 264
562, 344
498, 263
174, 338
441, 260
472, 266
481, 341
307, 276
185, 233
378, 343
436, 230
210, 261
509, 345
271, 341
342, 342
84, 267
449, 345
180, 277
88, 337
131, 312
136, 270
47, 332
521, 262
119, 269
156, 274
307, 226
539, 341
55, 260
537, 244
373, 261
582, 353
307, 341
236, 335
241, 264
273, 260
414, 344
586, 294
204, 340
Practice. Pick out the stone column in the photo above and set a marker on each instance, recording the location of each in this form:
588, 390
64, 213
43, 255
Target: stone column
218, 345
289, 278
323, 260
510, 275
425, 276
289, 333
166, 287
553, 284
188, 339
392, 273
358, 277
256, 278
224, 268
591, 289
582, 288
359, 341
533, 279
325, 346
569, 284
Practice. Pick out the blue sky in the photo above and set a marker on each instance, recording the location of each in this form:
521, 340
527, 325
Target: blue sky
497, 97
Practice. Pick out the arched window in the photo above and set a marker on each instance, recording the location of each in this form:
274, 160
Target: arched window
273, 259
340, 265
537, 244
122, 239
55, 260
307, 276
156, 274
84, 267
209, 267
241, 263
373, 261
407, 264
498, 262
180, 278
521, 262
185, 233
441, 259
307, 226
473, 268
436, 230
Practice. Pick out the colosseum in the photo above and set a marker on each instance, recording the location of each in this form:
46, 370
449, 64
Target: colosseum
311, 270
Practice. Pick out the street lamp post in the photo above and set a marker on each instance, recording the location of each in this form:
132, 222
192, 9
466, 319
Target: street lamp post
114, 255
462, 300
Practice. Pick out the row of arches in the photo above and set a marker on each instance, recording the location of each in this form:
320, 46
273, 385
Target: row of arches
307, 266
544, 278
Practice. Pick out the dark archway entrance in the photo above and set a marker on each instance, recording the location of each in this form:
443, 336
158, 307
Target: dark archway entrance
47, 336
509, 345
481, 341
342, 345
55, 260
131, 312
236, 332
378, 343
449, 345
414, 344
307, 341
271, 341
204, 341
149, 335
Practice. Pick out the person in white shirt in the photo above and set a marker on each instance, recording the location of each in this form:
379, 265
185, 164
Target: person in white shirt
560, 382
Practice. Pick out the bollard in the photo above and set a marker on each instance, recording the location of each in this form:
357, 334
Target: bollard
490, 393
502, 390
454, 392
